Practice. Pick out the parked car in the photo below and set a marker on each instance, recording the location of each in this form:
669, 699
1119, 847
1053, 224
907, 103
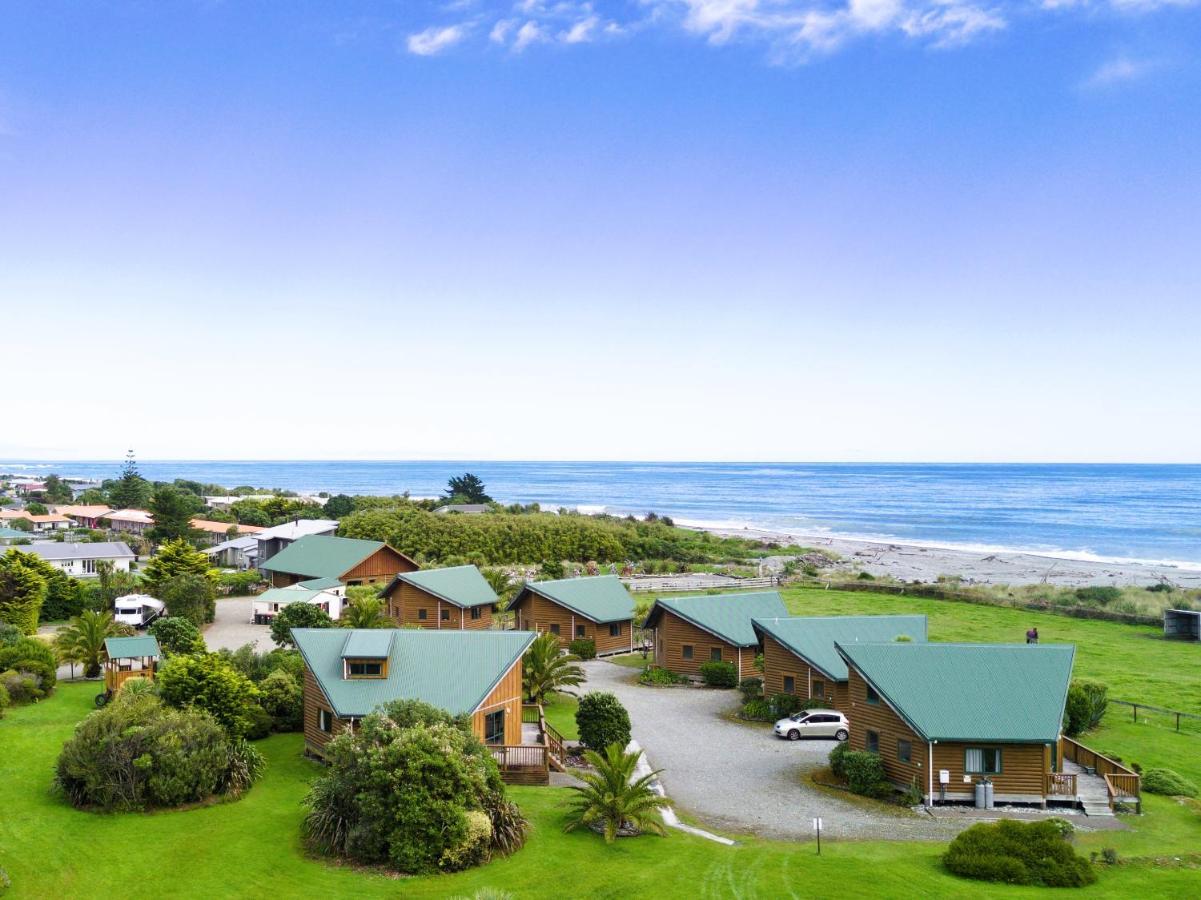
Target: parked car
814, 723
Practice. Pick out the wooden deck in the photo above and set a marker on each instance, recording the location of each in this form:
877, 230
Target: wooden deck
540, 751
1102, 783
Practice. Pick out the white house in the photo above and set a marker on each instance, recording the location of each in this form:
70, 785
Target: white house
81, 559
268, 604
135, 521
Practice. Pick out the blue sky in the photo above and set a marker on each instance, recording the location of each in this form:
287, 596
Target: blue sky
701, 229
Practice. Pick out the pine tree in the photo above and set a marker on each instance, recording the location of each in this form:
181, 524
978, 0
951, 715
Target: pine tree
131, 491
173, 510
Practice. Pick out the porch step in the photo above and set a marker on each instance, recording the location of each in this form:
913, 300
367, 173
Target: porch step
1096, 808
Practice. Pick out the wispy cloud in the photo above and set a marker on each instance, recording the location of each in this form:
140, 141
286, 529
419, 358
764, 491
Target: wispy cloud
1118, 70
434, 39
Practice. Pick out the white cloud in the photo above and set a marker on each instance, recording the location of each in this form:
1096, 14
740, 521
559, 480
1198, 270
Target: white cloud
529, 33
434, 40
952, 23
580, 32
500, 31
1117, 70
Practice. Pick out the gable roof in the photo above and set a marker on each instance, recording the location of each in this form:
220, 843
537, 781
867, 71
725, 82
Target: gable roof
727, 616
57, 551
247, 542
368, 643
464, 586
1002, 693
600, 598
137, 516
128, 647
318, 584
223, 527
813, 638
451, 669
298, 528
294, 594
322, 556
83, 511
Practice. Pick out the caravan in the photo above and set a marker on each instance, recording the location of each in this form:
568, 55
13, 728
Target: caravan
138, 610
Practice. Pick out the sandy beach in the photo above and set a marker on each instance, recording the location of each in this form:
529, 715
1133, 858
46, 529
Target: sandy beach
916, 562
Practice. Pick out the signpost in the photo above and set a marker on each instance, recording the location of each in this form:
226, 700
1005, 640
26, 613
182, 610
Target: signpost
817, 826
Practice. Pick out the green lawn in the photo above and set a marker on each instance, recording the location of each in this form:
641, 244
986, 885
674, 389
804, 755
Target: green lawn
560, 713
250, 848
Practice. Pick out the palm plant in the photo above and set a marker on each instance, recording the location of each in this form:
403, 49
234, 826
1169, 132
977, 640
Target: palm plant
82, 640
612, 801
546, 670
365, 612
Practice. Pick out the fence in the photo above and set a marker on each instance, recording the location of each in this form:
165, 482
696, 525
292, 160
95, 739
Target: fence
1173, 718
695, 585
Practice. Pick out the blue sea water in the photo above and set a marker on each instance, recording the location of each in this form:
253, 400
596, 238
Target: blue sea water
1150, 512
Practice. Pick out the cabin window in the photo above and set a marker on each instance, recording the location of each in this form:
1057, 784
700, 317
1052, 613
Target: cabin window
581, 631
494, 727
872, 697
686, 651
873, 742
715, 654
365, 668
477, 612
904, 751
615, 630
554, 629
818, 689
982, 761
789, 684
422, 614
89, 566
445, 615
325, 722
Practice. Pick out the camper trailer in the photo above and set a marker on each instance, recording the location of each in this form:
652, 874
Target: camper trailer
138, 610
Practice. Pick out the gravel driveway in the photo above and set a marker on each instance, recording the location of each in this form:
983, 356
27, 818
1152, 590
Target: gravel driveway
232, 627
741, 778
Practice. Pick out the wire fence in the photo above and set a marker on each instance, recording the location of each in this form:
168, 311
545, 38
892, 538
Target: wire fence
1174, 719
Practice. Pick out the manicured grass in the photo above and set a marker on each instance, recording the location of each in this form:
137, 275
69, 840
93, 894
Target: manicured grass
631, 660
250, 848
560, 713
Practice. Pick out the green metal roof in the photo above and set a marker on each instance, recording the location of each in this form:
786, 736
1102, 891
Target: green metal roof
319, 584
813, 637
293, 594
321, 556
728, 616
131, 647
12, 533
1003, 693
464, 586
601, 598
451, 669
368, 643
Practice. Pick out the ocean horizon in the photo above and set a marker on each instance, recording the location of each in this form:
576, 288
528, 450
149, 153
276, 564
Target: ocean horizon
1118, 512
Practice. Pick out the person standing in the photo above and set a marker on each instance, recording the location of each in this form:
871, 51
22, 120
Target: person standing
1032, 636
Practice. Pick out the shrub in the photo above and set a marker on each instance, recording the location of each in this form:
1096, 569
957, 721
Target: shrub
21, 687
1086, 704
758, 711
719, 674
5, 700
866, 576
283, 699
602, 720
229, 584
751, 689
864, 773
1030, 853
584, 648
297, 615
177, 634
136, 753
189, 596
1101, 595
22, 590
656, 675
838, 758
260, 723
785, 705
1166, 781
369, 807
32, 657
206, 681
257, 666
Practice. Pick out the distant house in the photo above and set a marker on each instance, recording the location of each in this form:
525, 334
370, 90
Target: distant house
134, 521
943, 716
691, 631
273, 540
81, 559
237, 553
86, 516
466, 509
266, 606
349, 673
11, 535
216, 532
455, 597
349, 560
11, 515
800, 655
50, 522
25, 488
597, 608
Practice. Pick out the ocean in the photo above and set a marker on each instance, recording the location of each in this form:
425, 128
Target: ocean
1123, 512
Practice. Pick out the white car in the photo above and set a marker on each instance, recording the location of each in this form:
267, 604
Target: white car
814, 723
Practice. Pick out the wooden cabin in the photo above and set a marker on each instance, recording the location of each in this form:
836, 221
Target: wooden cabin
944, 716
349, 673
800, 656
454, 597
597, 607
128, 658
351, 561
691, 631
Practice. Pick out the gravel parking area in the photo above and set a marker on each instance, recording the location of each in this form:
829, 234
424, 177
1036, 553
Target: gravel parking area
741, 778
232, 627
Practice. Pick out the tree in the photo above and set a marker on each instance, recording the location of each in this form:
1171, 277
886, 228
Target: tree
36, 509
365, 612
93, 497
206, 681
551, 570
177, 634
131, 490
466, 488
500, 582
612, 800
57, 490
602, 720
546, 670
189, 596
175, 557
82, 640
22, 591
1085, 706
21, 524
297, 615
338, 506
173, 511
283, 699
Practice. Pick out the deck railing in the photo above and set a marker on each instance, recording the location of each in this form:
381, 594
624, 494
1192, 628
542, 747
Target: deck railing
1122, 783
530, 713
1061, 784
520, 758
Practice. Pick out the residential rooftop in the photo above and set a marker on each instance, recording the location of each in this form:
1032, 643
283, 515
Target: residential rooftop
600, 598
462, 586
813, 638
727, 616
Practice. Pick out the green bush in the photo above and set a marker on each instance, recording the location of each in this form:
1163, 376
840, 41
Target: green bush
838, 757
21, 687
1166, 781
418, 794
137, 753
1086, 705
864, 773
189, 596
751, 688
657, 675
34, 657
257, 666
260, 724
283, 698
601, 721
759, 710
5, 700
297, 615
785, 705
206, 681
1029, 853
719, 674
233, 584
584, 648
177, 634
1101, 595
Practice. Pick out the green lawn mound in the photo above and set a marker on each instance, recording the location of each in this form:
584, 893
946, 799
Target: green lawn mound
1168, 782
1031, 853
